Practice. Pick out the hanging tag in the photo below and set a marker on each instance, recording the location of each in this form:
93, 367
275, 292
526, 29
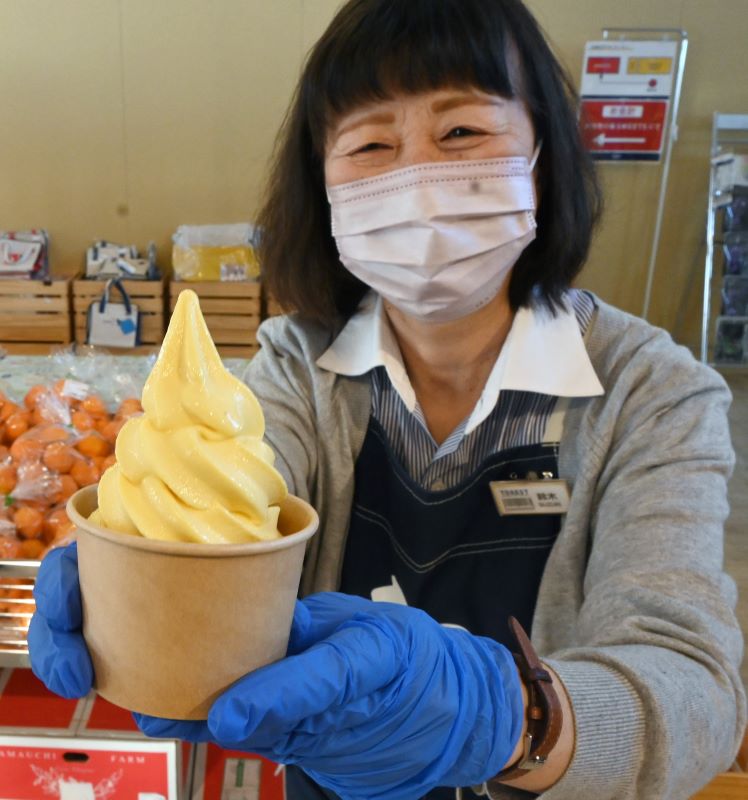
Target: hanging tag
75, 389
531, 497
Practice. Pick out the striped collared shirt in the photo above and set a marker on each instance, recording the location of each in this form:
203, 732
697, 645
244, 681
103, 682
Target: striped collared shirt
542, 359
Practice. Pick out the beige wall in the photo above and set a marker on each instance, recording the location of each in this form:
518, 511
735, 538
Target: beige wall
125, 118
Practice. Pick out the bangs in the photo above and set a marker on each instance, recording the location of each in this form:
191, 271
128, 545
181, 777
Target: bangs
403, 47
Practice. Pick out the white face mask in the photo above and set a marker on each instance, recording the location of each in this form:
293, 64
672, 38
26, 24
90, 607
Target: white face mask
436, 240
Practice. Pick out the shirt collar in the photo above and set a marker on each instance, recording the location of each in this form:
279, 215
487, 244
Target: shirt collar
543, 353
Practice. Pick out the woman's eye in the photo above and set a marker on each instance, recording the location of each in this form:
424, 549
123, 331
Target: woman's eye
460, 133
370, 147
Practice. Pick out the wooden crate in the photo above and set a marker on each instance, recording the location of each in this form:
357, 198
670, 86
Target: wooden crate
231, 310
148, 296
726, 786
34, 316
270, 306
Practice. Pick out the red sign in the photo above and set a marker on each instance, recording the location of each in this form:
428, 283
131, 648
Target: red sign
83, 769
624, 128
104, 717
603, 66
92, 749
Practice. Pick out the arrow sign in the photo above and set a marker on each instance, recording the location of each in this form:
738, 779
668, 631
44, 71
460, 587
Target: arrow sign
602, 140
620, 128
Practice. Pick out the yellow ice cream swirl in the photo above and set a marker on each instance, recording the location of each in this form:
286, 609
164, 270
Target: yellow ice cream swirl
194, 467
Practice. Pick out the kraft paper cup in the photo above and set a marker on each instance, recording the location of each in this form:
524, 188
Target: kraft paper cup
171, 625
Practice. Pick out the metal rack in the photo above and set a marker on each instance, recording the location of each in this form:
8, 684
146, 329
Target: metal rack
15, 612
729, 136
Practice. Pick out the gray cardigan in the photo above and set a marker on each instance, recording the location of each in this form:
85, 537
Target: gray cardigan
634, 611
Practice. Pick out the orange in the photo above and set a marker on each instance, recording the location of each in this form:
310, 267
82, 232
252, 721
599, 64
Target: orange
93, 445
84, 473
56, 524
10, 547
32, 549
129, 407
29, 522
94, 406
32, 396
26, 448
7, 478
59, 457
111, 430
82, 421
67, 488
8, 410
51, 433
16, 424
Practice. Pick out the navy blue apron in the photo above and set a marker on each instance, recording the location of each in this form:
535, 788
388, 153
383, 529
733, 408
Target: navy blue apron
447, 552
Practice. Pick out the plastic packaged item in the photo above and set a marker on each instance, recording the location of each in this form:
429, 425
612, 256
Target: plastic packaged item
84, 366
24, 254
59, 439
736, 213
735, 296
215, 253
731, 341
736, 254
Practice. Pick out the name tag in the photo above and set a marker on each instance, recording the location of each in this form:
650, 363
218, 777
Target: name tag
531, 497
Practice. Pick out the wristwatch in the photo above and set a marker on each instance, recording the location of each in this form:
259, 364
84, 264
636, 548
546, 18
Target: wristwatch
544, 715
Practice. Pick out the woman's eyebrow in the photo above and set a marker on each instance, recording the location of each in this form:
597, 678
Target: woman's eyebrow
375, 118
449, 103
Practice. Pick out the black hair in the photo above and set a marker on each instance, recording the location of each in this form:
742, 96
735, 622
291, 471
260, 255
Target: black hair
374, 48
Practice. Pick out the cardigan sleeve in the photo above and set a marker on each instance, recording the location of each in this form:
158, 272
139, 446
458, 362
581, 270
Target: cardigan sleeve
653, 672
275, 375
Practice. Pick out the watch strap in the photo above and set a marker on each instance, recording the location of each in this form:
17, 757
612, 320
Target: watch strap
544, 715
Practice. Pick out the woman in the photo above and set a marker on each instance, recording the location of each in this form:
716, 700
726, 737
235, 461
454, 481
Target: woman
481, 442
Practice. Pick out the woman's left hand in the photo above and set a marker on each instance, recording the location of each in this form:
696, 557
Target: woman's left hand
374, 700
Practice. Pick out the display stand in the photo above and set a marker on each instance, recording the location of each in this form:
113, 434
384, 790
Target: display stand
16, 611
681, 39
728, 230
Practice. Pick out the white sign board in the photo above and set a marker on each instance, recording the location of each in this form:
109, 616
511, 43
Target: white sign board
626, 90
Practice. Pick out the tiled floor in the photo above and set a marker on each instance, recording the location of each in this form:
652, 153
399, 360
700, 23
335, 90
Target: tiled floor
736, 541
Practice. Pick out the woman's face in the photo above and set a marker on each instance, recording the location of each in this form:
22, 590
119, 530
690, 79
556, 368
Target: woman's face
441, 125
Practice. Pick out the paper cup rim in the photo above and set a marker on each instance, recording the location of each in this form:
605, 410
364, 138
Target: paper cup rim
190, 549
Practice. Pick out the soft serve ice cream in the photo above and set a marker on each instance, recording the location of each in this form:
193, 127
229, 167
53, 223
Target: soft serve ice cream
193, 467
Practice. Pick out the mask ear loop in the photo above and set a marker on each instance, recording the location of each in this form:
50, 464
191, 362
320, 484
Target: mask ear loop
535, 156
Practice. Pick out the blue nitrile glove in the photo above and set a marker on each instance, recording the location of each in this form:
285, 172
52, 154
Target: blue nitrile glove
59, 657
376, 700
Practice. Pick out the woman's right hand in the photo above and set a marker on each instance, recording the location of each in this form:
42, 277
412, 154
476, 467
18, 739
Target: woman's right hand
59, 657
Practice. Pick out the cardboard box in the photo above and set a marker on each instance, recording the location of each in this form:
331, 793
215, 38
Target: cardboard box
57, 749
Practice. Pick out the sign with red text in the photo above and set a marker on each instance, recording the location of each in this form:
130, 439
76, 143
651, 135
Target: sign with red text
37, 767
626, 91
624, 127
